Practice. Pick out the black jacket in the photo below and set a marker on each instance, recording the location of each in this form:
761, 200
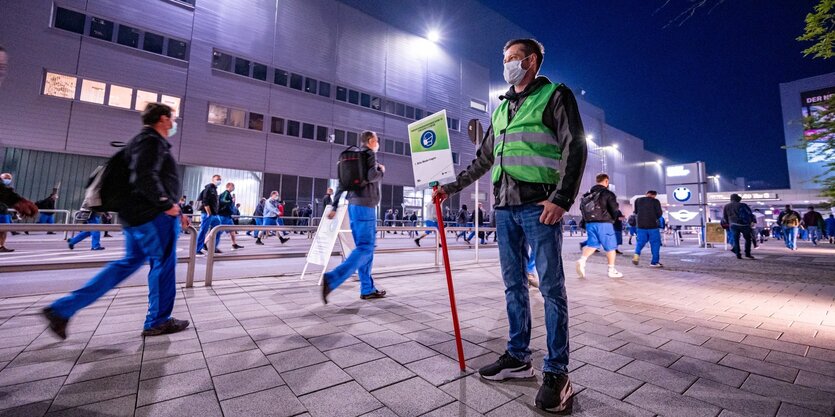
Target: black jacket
8, 198
647, 212
607, 200
226, 205
562, 116
154, 178
209, 198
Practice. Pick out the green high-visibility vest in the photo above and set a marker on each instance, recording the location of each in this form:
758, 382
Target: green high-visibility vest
525, 148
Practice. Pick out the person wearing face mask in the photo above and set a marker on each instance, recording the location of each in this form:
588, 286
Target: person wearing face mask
151, 224
209, 207
272, 211
8, 198
362, 213
226, 209
536, 147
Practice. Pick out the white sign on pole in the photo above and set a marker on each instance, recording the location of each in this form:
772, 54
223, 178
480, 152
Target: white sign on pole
431, 153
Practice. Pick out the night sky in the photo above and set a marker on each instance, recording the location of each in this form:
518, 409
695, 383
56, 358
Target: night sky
707, 90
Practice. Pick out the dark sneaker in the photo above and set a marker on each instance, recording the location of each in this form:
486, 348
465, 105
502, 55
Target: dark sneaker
171, 326
283, 239
326, 289
218, 251
556, 394
4, 249
375, 294
70, 245
98, 248
506, 367
57, 324
417, 242
750, 257
258, 242
237, 246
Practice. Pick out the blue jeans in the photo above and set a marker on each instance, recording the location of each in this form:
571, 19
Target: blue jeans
258, 222
531, 266
46, 218
518, 227
653, 236
814, 233
790, 237
207, 223
154, 241
94, 219
364, 228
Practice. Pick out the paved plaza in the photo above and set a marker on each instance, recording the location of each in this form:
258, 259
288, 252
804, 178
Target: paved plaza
657, 342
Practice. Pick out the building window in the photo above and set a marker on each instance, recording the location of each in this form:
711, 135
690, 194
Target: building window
398, 148
277, 126
365, 100
281, 77
256, 121
339, 137
171, 101
410, 112
218, 115
70, 20
296, 81
237, 118
153, 43
376, 103
59, 85
310, 85
293, 128
242, 67
351, 139
177, 49
259, 71
455, 158
308, 131
418, 114
341, 94
390, 107
92, 91
453, 123
353, 97
400, 109
120, 97
324, 89
389, 148
101, 29
128, 36
478, 105
321, 133
221, 61
143, 98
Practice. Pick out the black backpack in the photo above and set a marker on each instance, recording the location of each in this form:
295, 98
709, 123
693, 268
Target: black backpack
744, 215
632, 220
352, 169
108, 188
591, 208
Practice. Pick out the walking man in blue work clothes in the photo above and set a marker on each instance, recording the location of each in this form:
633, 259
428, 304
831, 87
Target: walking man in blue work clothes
152, 222
363, 216
209, 207
648, 212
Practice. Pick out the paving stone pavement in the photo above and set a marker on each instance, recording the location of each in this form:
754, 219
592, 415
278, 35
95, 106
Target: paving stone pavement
653, 343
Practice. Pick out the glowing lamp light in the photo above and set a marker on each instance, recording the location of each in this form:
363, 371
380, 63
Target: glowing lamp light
659, 162
433, 35
614, 146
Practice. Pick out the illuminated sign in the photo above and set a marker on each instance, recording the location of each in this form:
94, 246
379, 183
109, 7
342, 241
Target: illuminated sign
682, 194
745, 197
677, 171
684, 215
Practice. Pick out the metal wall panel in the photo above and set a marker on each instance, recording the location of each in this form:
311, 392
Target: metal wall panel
168, 19
361, 45
406, 58
306, 37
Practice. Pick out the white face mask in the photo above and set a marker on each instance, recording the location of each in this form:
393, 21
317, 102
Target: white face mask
513, 71
217, 183
173, 130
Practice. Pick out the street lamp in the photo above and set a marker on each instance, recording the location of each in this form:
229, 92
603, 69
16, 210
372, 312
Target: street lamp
433, 35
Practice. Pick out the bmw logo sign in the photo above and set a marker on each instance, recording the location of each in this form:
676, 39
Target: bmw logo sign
682, 194
427, 139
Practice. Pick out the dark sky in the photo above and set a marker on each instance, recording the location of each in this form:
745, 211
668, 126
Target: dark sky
707, 90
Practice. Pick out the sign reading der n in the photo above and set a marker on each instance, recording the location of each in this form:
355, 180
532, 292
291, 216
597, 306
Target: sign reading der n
431, 153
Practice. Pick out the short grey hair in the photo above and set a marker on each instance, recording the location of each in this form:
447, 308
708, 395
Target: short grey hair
366, 136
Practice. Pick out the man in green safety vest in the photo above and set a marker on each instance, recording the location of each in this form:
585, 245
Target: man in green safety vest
536, 148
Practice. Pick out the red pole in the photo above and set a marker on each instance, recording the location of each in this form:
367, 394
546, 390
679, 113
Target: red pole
442, 236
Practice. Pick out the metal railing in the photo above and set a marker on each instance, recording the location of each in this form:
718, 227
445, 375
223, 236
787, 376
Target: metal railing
191, 259
68, 217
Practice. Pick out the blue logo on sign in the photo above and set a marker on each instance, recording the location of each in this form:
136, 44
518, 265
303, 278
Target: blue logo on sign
427, 139
682, 194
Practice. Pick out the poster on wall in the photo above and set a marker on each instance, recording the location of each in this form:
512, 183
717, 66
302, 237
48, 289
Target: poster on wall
813, 103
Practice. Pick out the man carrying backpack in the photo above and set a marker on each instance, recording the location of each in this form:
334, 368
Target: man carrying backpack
363, 197
789, 220
739, 217
152, 221
209, 207
599, 207
226, 209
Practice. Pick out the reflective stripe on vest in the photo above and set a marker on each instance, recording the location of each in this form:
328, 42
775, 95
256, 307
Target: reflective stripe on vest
526, 149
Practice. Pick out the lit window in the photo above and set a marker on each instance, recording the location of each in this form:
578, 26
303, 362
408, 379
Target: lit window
171, 101
218, 114
256, 121
58, 85
143, 98
477, 105
120, 97
236, 118
92, 91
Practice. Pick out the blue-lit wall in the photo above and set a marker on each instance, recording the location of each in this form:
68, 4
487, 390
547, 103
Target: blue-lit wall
801, 172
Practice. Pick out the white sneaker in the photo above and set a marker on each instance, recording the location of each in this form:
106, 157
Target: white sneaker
581, 268
614, 273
